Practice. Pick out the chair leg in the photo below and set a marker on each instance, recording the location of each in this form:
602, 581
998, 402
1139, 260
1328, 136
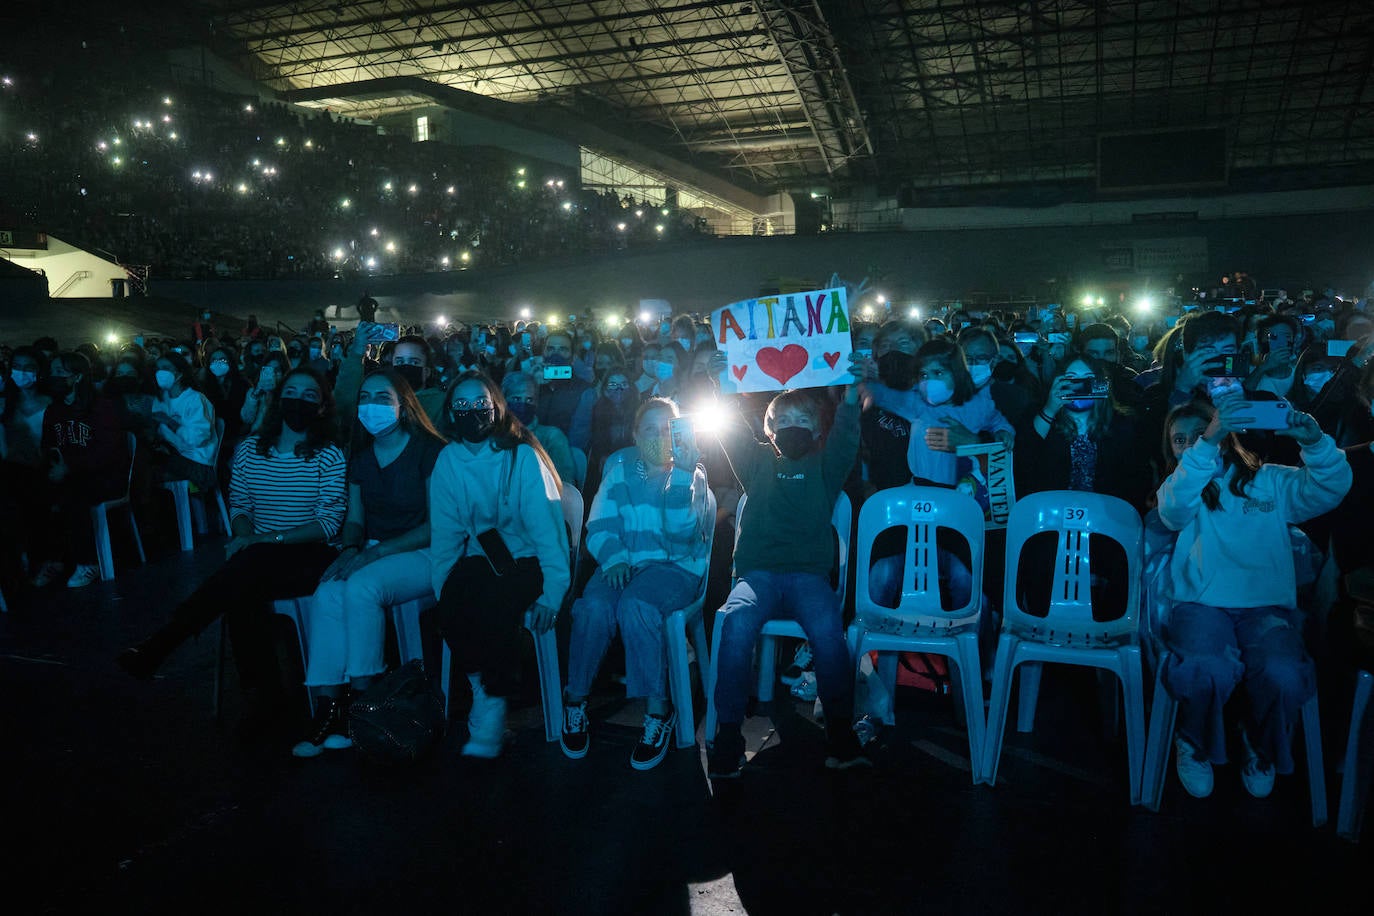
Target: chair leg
1354, 783
181, 501
1030, 694
1002, 670
680, 678
295, 608
969, 666
1163, 711
1316, 766
709, 727
138, 540
550, 682
100, 521
223, 513
768, 667
1133, 688
446, 676
886, 671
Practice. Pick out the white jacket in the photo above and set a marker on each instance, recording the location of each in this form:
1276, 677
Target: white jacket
1239, 555
194, 437
511, 491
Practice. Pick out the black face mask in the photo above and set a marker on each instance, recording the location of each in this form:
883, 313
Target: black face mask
472, 425
57, 387
1004, 372
897, 370
297, 413
124, 384
414, 376
794, 442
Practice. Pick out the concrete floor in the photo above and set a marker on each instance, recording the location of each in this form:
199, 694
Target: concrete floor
127, 796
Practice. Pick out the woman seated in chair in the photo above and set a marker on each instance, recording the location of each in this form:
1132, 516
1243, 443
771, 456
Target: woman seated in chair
287, 497
1234, 617
385, 555
87, 462
184, 426
783, 558
648, 531
498, 547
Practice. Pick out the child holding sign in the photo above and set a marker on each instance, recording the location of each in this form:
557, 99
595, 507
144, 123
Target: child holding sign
783, 558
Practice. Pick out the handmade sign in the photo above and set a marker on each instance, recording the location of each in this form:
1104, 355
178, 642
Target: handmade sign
794, 340
984, 472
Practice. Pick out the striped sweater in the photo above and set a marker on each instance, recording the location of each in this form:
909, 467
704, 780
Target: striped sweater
638, 518
280, 492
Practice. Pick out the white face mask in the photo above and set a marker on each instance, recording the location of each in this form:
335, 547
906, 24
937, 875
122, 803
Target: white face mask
685, 343
219, 368
1316, 381
981, 375
165, 379
936, 391
23, 378
664, 371
651, 368
378, 418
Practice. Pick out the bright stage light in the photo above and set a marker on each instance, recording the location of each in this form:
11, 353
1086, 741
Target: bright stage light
112, 338
645, 318
708, 417
525, 312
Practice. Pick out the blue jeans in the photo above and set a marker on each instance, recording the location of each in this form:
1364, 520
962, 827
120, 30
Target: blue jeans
1215, 649
759, 597
885, 579
639, 610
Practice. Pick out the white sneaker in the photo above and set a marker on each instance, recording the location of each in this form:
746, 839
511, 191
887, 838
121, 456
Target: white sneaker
84, 575
1194, 772
1256, 773
486, 723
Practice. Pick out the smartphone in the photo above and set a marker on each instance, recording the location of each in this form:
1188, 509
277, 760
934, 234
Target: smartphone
496, 551
557, 373
1265, 414
1060, 337
682, 434
1309, 318
1339, 348
1228, 366
525, 339
378, 333
1089, 388
1026, 337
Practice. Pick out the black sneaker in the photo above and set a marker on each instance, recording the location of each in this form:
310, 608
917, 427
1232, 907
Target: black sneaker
653, 745
327, 731
726, 756
574, 738
842, 750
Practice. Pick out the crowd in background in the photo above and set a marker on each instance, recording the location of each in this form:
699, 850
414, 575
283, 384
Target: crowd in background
332, 447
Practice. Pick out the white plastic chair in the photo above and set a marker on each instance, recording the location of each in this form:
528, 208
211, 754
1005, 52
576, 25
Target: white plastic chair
841, 521
405, 617
100, 521
1354, 779
296, 609
920, 623
1159, 746
579, 467
181, 497
676, 627
545, 643
1068, 634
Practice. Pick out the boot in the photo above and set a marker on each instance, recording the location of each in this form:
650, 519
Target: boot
486, 722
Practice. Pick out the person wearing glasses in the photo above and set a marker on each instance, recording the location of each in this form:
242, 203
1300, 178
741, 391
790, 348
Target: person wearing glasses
522, 396
498, 547
611, 424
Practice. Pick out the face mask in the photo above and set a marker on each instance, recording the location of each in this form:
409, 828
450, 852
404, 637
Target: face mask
23, 378
1139, 344
165, 379
897, 370
586, 345
664, 328
489, 349
655, 451
219, 368
1080, 405
616, 396
556, 359
625, 343
472, 425
794, 442
1004, 371
314, 352
378, 418
936, 391
1316, 381
665, 371
523, 411
685, 343
981, 375
651, 368
297, 413
414, 375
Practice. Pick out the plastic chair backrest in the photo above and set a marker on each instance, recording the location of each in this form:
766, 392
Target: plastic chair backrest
572, 515
841, 520
921, 511
1077, 518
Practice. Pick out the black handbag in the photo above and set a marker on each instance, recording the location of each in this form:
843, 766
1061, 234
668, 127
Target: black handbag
399, 718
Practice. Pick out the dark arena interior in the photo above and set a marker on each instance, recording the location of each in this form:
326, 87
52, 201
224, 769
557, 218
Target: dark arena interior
933, 441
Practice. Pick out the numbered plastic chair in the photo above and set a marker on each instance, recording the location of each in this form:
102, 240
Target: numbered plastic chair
181, 498
1068, 634
580, 467
1159, 746
920, 623
676, 628
841, 522
1355, 778
545, 643
100, 521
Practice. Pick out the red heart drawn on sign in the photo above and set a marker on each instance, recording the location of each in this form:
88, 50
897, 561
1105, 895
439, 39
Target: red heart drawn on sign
739, 372
832, 359
782, 364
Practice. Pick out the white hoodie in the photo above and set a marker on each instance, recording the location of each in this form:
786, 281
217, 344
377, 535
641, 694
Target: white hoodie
1239, 555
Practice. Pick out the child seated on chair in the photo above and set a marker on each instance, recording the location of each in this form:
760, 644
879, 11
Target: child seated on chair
648, 531
1231, 579
783, 557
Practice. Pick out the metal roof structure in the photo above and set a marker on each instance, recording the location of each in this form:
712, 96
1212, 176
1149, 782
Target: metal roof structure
792, 94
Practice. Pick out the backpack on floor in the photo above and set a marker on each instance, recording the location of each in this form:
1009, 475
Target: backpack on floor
399, 718
922, 671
